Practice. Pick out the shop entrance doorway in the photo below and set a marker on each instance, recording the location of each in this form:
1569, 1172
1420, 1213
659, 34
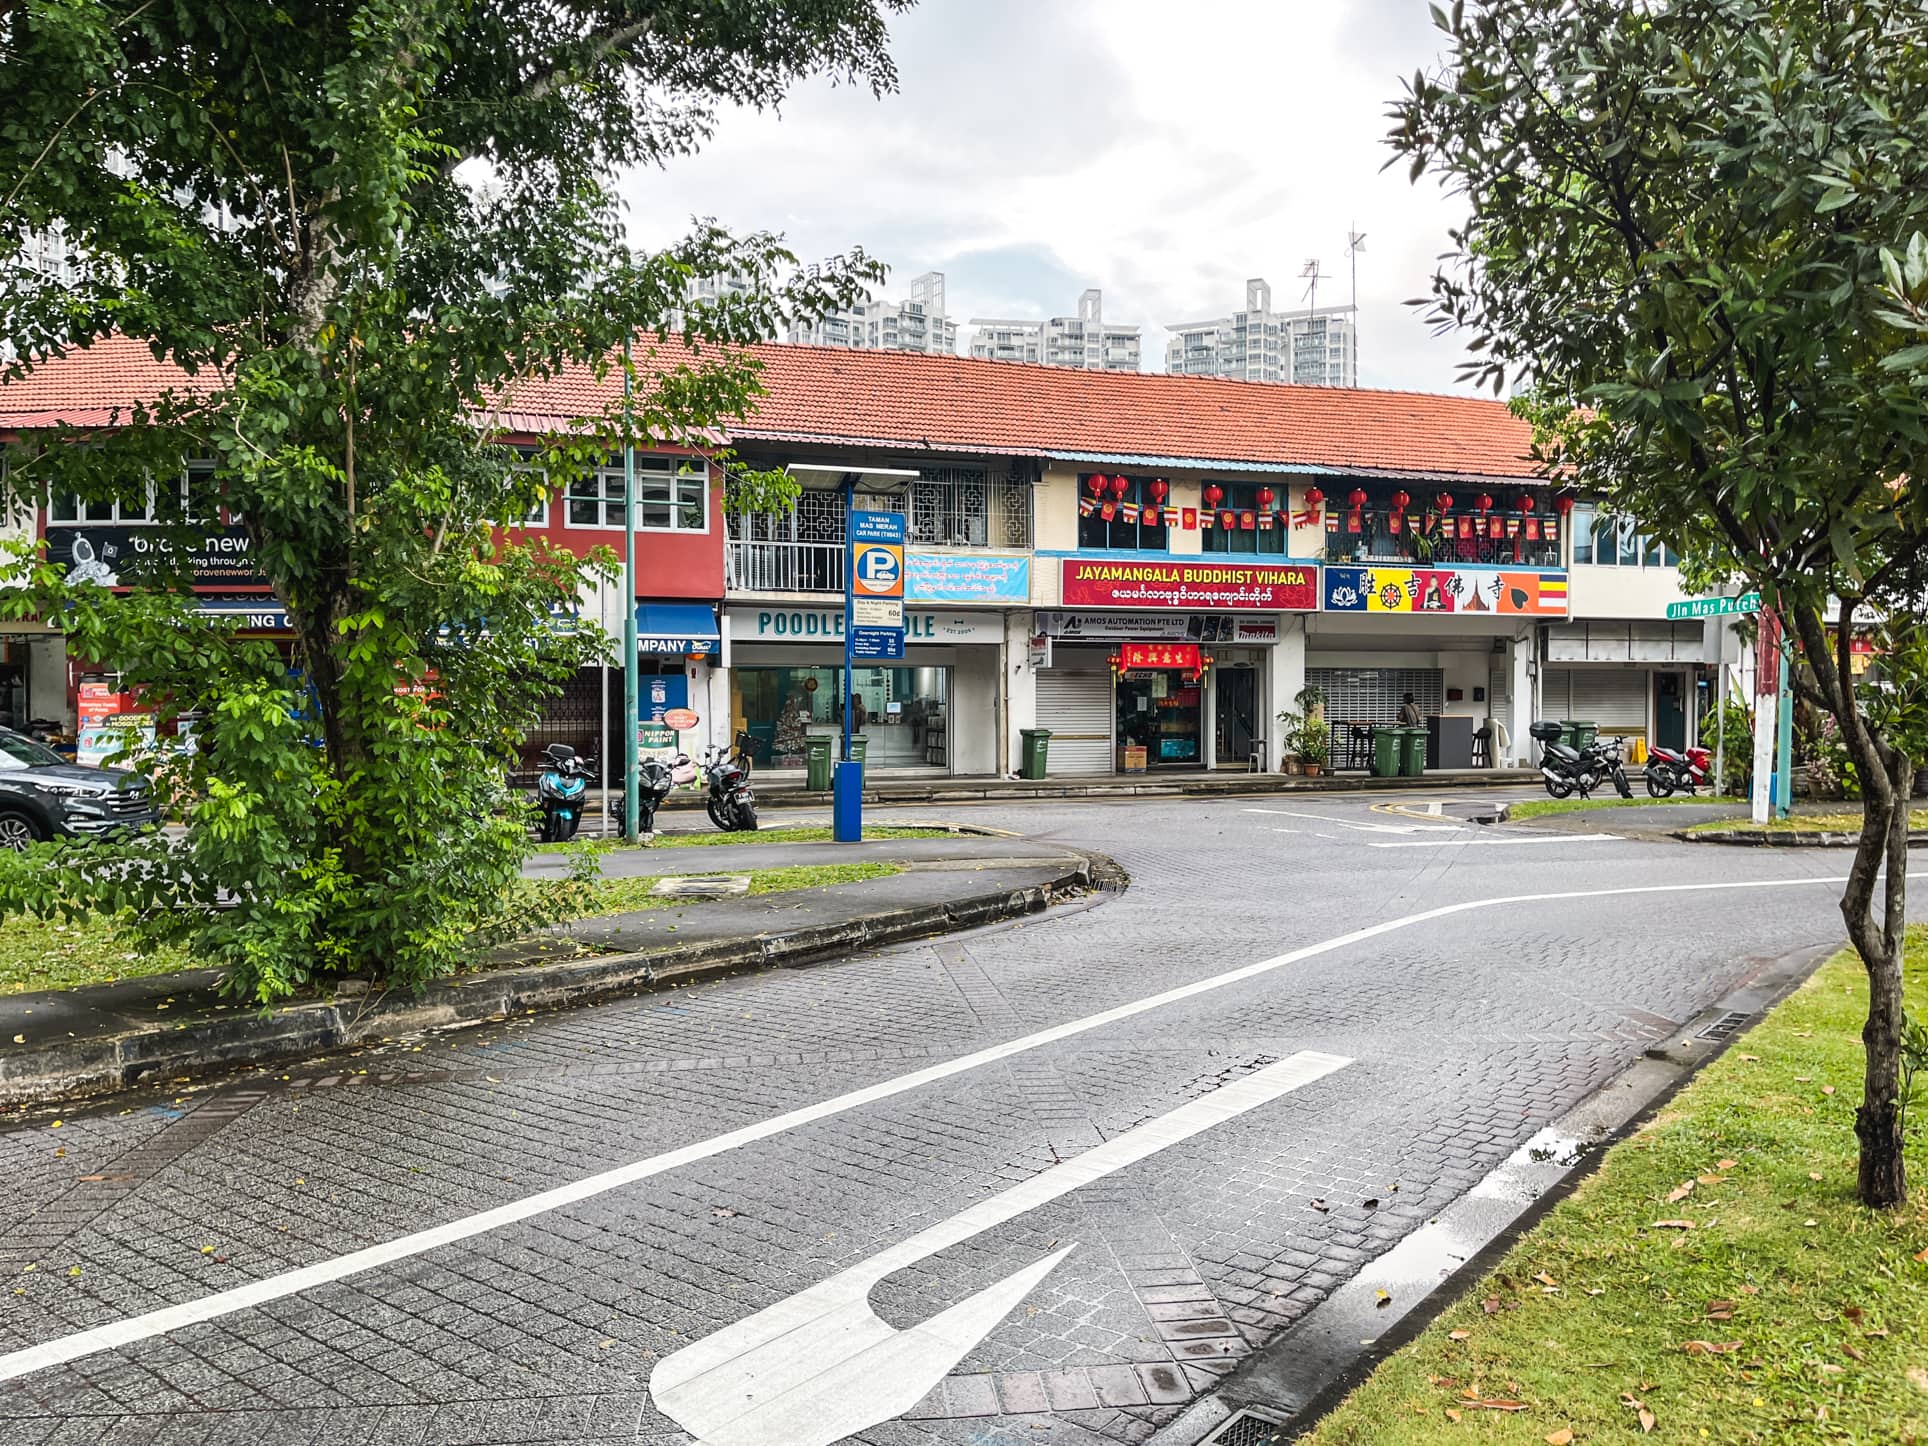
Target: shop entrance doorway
1670, 712
1161, 710
1238, 714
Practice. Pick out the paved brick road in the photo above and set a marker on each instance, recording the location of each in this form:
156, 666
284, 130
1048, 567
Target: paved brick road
1467, 1034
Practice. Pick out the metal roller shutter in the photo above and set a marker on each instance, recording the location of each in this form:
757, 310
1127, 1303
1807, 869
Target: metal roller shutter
1371, 695
1611, 697
1075, 704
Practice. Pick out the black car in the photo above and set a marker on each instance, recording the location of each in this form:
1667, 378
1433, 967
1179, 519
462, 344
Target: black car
43, 796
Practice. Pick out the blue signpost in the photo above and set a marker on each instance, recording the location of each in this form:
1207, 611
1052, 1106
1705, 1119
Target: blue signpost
873, 632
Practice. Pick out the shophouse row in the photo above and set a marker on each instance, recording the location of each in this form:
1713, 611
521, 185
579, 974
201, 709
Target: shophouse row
1150, 567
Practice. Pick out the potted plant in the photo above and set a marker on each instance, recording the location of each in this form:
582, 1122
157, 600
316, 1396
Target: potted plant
1314, 745
1311, 700
1291, 729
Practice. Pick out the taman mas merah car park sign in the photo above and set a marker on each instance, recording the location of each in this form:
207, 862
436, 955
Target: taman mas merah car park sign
1715, 607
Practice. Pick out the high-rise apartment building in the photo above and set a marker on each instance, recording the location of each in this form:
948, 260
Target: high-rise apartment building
917, 323
1085, 341
1316, 347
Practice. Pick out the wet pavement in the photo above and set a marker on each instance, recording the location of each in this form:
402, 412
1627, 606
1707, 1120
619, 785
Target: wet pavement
1311, 1026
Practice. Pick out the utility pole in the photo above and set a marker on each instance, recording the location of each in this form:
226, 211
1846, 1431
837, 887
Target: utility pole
631, 683
1310, 271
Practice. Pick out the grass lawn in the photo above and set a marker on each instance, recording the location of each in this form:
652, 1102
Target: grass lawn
1786, 1313
622, 896
1803, 823
698, 839
1536, 807
36, 955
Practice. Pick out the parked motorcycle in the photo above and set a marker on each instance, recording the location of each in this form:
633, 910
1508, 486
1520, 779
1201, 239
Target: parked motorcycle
732, 802
655, 777
1570, 770
1668, 772
561, 791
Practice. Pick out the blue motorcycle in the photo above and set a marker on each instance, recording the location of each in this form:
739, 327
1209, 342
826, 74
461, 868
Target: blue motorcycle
561, 792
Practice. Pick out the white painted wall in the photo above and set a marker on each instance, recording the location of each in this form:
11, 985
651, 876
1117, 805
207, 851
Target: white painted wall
973, 723
1020, 687
1622, 592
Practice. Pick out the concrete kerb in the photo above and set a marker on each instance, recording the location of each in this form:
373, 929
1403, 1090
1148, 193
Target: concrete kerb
64, 1069
1777, 839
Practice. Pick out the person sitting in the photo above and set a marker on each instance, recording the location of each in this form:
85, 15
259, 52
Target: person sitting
1409, 713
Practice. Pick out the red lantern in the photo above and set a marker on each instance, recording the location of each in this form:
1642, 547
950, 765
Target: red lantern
1445, 501
1213, 494
1159, 490
1565, 504
1313, 497
1120, 486
1483, 502
1096, 482
1526, 502
1267, 496
1358, 497
1399, 501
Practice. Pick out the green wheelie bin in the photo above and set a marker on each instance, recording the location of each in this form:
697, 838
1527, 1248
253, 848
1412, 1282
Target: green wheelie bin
1037, 747
1412, 752
1386, 745
817, 753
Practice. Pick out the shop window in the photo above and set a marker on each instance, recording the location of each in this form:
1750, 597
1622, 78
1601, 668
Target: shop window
1137, 521
1242, 498
1604, 540
903, 713
194, 490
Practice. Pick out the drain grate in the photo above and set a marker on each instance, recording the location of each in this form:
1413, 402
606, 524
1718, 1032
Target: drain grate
1247, 1428
1725, 1026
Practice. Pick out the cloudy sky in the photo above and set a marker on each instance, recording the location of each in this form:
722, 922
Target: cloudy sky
1162, 152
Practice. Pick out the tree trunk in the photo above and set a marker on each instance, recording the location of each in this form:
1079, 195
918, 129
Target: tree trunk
1877, 1123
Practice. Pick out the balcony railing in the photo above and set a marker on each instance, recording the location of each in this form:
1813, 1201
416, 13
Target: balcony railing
1377, 544
785, 567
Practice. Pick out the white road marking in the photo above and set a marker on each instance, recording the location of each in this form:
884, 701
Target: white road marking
819, 1366
1475, 843
1330, 821
142, 1327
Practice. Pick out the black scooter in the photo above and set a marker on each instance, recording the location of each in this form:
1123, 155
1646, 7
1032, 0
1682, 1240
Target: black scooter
1569, 770
732, 802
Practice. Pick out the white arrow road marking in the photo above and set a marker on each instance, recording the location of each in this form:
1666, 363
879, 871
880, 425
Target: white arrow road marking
819, 1366
1477, 843
115, 1334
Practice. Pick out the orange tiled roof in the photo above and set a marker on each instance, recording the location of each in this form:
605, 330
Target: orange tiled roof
954, 404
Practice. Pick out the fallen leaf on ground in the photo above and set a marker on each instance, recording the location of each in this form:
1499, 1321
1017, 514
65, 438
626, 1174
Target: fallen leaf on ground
1491, 1304
1680, 1192
1750, 1290
1320, 1206
1720, 1310
1725, 1164
1545, 1279
1371, 1203
1814, 1174
1752, 1058
1647, 1418
1918, 1378
1561, 1437
1452, 1415
1597, 1290
1923, 1257
1496, 1405
1459, 1335
1382, 1299
1672, 1225
721, 1212
1827, 1089
1710, 1348
1852, 1312
1711, 1179
1852, 1354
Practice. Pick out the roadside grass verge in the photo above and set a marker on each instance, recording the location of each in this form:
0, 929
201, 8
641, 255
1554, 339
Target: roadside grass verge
1802, 823
37, 954
1539, 807
623, 896
40, 954
698, 839
1715, 1274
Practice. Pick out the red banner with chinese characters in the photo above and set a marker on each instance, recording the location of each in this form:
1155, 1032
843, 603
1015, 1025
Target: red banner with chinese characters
1158, 655
1261, 587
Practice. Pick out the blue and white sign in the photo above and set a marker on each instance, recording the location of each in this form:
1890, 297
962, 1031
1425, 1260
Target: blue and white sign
967, 578
874, 596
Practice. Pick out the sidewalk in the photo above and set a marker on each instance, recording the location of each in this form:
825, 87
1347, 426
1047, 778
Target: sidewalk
109, 1036
914, 788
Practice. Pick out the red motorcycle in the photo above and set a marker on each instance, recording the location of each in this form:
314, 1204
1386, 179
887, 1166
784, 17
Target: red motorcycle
1668, 772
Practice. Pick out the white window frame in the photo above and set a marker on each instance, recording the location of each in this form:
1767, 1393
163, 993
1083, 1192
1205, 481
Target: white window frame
150, 516
656, 467
537, 518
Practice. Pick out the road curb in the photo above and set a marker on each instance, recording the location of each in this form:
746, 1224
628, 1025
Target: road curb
1231, 785
64, 1069
1767, 838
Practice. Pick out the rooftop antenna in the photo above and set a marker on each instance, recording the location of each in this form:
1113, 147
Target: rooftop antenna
1355, 243
1310, 271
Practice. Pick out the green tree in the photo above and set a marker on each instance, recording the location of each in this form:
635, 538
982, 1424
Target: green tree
1689, 224
361, 231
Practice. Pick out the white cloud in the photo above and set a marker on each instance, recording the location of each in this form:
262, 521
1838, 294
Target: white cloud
1164, 153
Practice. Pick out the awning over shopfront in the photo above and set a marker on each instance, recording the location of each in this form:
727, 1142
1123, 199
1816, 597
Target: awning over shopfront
677, 630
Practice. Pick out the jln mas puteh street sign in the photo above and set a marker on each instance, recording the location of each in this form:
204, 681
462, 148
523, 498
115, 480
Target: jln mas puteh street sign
1715, 607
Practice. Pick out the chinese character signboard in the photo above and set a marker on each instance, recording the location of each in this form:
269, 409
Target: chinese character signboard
1445, 590
1266, 587
1158, 655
